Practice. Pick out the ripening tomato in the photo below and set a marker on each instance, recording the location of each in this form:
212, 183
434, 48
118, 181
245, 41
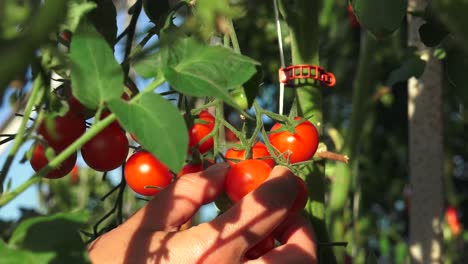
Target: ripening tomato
107, 150
261, 248
145, 174
106, 113
258, 151
300, 146
244, 177
39, 161
192, 168
66, 129
199, 131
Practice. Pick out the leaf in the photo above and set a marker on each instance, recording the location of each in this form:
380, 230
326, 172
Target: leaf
60, 229
201, 70
412, 67
432, 33
453, 15
149, 66
156, 10
52, 235
75, 13
252, 86
14, 256
380, 17
158, 126
96, 75
104, 18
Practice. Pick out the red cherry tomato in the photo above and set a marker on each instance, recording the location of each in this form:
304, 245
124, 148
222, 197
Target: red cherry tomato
107, 150
244, 177
301, 145
230, 136
115, 123
199, 131
79, 109
143, 169
261, 248
301, 198
39, 161
258, 151
192, 168
66, 129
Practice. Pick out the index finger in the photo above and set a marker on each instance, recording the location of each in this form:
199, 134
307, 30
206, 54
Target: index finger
258, 213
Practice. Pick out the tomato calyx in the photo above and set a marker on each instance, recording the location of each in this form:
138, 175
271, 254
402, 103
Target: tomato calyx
240, 152
294, 147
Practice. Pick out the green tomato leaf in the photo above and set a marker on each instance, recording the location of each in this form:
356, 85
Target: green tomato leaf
96, 75
75, 13
156, 10
252, 86
149, 66
380, 17
432, 33
14, 256
453, 15
413, 66
157, 124
57, 233
200, 70
104, 19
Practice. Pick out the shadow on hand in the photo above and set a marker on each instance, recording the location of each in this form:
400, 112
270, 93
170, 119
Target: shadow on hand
269, 199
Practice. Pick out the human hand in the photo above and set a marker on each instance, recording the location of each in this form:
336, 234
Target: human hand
152, 235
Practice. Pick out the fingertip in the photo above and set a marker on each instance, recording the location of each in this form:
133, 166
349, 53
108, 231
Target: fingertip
281, 170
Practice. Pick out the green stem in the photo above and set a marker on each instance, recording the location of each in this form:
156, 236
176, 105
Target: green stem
90, 133
233, 35
302, 18
131, 34
35, 93
7, 197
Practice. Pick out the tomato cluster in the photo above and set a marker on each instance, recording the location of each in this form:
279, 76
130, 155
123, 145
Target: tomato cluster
65, 129
105, 151
259, 151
